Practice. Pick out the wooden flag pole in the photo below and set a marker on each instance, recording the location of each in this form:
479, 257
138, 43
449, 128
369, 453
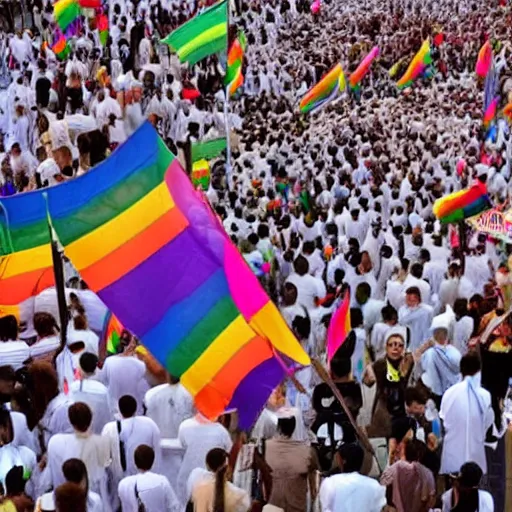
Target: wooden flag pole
361, 434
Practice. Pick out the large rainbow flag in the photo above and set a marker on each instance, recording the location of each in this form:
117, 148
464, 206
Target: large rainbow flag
149, 246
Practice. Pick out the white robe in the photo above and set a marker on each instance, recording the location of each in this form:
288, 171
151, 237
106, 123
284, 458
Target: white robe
198, 438
154, 491
352, 491
168, 405
441, 368
467, 414
418, 321
485, 501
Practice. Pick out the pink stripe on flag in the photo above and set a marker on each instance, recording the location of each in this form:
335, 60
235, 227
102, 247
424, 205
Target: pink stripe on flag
339, 327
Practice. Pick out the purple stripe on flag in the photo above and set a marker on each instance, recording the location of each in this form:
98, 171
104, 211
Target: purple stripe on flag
142, 297
252, 393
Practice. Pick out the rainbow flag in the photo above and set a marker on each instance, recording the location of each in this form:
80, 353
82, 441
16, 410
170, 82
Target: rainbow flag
61, 48
142, 239
65, 12
362, 70
200, 175
463, 204
490, 112
208, 149
234, 77
203, 35
111, 334
339, 327
329, 87
417, 67
484, 61
103, 29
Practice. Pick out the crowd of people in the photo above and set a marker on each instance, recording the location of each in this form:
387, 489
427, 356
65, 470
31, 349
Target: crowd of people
329, 207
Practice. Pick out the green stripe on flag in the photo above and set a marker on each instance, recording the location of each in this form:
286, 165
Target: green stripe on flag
203, 35
208, 149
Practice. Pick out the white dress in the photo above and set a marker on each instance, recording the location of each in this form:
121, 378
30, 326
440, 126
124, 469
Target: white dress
198, 437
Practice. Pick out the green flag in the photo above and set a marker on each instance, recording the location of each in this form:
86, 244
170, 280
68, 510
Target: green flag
208, 149
203, 35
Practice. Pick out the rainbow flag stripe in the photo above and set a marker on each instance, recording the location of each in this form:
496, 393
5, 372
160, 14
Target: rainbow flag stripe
150, 247
339, 327
65, 12
417, 66
111, 334
329, 87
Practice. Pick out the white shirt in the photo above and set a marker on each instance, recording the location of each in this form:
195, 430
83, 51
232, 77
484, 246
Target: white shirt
154, 491
352, 492
198, 437
124, 375
467, 414
13, 353
485, 501
96, 396
168, 405
44, 346
308, 288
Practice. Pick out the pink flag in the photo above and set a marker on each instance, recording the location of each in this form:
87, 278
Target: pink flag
339, 327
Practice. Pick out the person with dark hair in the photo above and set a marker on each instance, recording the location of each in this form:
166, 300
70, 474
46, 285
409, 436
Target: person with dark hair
146, 487
417, 316
210, 491
293, 465
95, 394
465, 496
75, 472
378, 333
416, 279
349, 490
391, 374
309, 288
48, 339
12, 455
467, 414
12, 351
70, 497
412, 484
92, 449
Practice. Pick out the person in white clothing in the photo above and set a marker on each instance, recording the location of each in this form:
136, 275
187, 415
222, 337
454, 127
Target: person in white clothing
309, 288
467, 415
12, 352
168, 405
74, 471
208, 489
93, 393
416, 316
198, 436
465, 494
350, 490
48, 341
124, 436
93, 450
151, 489
124, 374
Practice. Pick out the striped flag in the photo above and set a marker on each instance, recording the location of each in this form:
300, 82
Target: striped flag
234, 77
339, 327
203, 35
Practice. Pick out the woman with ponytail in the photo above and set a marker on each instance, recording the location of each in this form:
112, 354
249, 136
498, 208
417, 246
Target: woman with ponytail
210, 491
465, 495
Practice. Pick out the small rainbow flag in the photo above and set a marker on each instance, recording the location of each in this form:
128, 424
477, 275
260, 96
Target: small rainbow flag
103, 29
65, 12
61, 48
361, 71
463, 204
484, 61
490, 112
339, 327
111, 333
328, 88
417, 67
234, 77
200, 175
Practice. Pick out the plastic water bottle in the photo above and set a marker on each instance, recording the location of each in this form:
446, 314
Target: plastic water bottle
432, 415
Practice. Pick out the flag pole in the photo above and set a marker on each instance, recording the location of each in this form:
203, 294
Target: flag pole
58, 273
226, 105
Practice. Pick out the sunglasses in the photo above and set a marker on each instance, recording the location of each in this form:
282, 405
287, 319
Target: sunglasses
395, 344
